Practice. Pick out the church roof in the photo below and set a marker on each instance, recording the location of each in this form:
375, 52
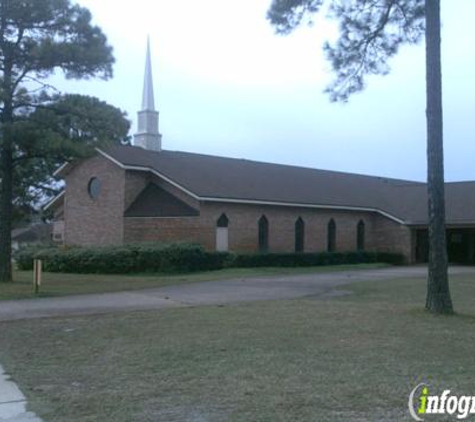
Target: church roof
215, 178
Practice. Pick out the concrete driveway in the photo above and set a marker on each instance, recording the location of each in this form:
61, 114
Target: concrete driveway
208, 293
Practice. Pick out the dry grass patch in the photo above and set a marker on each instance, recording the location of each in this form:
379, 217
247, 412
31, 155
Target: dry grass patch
354, 358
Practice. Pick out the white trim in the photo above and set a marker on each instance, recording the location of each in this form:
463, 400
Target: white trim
299, 205
391, 217
56, 198
164, 217
110, 158
60, 169
167, 179
247, 201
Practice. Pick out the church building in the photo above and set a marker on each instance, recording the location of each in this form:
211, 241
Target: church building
143, 193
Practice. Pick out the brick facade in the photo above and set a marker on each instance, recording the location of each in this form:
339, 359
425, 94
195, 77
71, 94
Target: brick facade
391, 236
101, 221
243, 226
381, 234
94, 221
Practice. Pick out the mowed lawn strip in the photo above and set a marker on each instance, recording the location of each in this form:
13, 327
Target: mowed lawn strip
57, 284
353, 358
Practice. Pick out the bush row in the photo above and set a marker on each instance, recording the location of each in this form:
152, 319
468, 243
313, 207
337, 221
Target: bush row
123, 259
315, 259
179, 258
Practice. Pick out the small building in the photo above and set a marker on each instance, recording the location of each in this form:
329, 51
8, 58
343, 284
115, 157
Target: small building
142, 193
32, 235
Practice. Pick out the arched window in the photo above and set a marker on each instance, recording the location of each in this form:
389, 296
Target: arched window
263, 234
222, 221
360, 236
299, 235
331, 236
222, 236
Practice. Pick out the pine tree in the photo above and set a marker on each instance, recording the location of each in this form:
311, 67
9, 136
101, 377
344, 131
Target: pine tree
371, 32
38, 37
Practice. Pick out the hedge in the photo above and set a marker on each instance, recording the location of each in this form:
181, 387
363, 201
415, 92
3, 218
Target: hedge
315, 259
123, 259
179, 258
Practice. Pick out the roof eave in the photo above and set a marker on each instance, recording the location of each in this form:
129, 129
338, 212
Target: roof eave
247, 201
54, 202
304, 205
63, 170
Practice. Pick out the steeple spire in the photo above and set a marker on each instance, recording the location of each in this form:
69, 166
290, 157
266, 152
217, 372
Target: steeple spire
147, 135
148, 102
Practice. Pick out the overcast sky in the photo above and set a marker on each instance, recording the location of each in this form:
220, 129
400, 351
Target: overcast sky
225, 84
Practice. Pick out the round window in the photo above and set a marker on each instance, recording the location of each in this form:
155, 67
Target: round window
94, 187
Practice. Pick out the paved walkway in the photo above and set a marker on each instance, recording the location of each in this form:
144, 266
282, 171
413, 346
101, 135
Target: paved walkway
13, 402
319, 285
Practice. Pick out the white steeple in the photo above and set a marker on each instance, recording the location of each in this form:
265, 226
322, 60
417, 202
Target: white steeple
147, 135
148, 102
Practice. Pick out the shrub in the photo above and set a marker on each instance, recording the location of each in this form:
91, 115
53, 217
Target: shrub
179, 257
315, 259
125, 259
24, 257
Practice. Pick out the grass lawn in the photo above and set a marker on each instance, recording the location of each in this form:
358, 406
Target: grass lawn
353, 358
56, 284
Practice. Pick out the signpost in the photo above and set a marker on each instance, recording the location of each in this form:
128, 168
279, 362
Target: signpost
37, 268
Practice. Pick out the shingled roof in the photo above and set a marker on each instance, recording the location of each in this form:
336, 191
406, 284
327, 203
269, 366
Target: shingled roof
209, 177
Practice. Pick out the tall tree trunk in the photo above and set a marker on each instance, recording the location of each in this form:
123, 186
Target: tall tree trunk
6, 212
438, 294
6, 167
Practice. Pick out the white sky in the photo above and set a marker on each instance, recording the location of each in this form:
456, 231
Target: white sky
225, 84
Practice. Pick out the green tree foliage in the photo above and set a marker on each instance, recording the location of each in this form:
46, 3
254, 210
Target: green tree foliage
371, 32
68, 126
38, 37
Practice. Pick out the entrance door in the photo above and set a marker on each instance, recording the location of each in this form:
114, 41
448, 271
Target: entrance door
222, 239
222, 243
458, 245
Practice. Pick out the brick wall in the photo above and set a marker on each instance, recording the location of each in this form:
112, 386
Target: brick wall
243, 228
100, 221
168, 229
391, 236
94, 221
